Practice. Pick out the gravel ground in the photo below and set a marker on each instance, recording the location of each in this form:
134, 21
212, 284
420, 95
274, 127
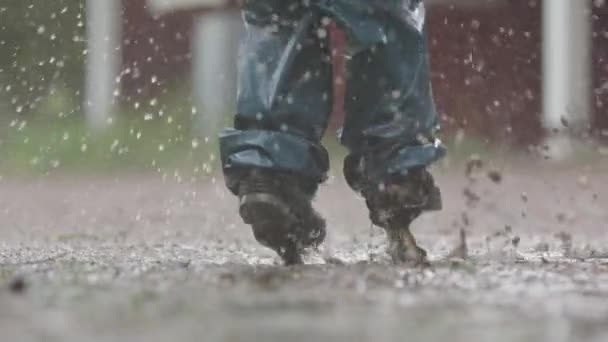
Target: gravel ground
145, 259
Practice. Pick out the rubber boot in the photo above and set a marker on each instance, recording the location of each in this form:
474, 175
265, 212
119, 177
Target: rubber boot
280, 214
396, 204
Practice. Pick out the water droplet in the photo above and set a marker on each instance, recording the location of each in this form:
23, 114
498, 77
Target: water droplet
322, 33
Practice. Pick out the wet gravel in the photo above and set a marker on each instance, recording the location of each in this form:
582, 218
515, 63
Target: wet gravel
144, 259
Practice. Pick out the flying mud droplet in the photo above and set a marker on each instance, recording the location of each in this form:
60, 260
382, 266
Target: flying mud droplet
471, 197
466, 221
474, 164
495, 176
515, 241
461, 251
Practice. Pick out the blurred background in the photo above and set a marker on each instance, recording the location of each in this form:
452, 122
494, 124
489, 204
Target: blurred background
147, 84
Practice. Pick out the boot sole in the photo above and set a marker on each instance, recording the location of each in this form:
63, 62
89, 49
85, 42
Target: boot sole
259, 208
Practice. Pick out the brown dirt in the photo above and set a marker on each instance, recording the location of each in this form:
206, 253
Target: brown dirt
142, 259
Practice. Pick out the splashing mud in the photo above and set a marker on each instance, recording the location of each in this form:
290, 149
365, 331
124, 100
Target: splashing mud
158, 259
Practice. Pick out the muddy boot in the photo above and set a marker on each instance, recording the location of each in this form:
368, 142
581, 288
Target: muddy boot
281, 216
396, 204
402, 246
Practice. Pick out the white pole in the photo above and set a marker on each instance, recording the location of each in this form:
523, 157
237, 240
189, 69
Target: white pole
566, 70
103, 60
581, 83
214, 63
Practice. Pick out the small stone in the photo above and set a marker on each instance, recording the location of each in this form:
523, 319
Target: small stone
18, 285
334, 261
227, 278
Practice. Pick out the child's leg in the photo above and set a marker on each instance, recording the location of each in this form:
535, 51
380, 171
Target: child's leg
273, 159
389, 131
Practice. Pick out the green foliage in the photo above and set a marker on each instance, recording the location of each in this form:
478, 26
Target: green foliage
42, 46
161, 138
41, 147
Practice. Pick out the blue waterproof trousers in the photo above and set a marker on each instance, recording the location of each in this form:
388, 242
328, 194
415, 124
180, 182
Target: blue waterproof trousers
285, 91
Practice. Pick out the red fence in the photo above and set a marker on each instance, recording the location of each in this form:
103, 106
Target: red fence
486, 63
